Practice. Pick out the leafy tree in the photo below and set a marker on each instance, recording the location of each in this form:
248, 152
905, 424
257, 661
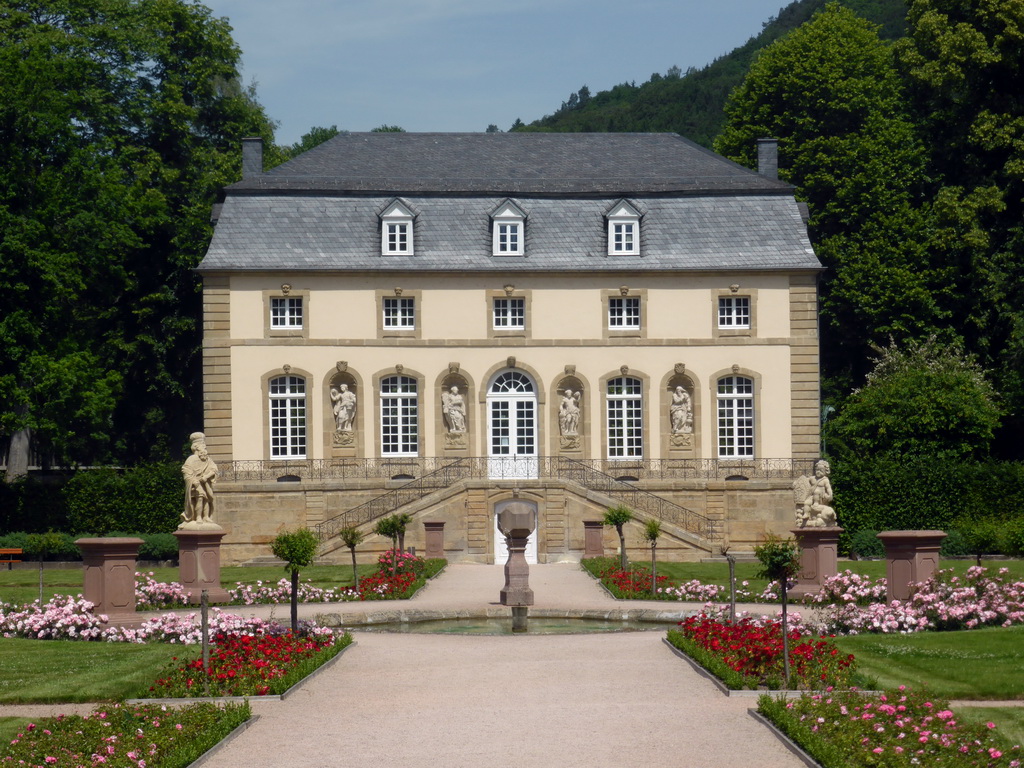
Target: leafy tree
964, 62
317, 135
923, 399
831, 94
780, 561
120, 120
298, 550
385, 128
393, 527
492, 128
352, 537
651, 534
619, 516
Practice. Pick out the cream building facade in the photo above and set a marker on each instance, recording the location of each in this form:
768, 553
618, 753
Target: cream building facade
432, 323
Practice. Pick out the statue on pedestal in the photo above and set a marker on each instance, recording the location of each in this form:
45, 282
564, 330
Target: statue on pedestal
200, 473
453, 406
344, 405
813, 496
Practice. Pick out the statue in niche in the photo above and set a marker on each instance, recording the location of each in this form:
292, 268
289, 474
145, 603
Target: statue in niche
569, 413
343, 402
200, 473
453, 406
681, 412
813, 496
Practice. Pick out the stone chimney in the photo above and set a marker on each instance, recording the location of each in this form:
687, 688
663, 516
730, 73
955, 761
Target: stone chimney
252, 157
768, 158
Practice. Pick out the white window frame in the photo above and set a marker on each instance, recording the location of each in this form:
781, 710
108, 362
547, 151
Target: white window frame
398, 313
288, 417
508, 313
623, 313
734, 313
623, 230
735, 417
397, 230
508, 230
399, 416
624, 415
286, 313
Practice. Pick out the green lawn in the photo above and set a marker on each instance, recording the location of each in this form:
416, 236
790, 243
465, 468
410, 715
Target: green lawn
1009, 720
11, 727
974, 664
22, 585
45, 671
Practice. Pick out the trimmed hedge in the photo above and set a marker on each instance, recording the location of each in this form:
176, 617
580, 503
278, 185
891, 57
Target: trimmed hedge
983, 502
61, 546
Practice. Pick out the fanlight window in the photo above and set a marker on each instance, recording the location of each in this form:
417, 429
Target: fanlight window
512, 382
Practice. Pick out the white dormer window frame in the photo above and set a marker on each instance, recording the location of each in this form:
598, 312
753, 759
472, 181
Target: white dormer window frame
508, 230
397, 229
623, 229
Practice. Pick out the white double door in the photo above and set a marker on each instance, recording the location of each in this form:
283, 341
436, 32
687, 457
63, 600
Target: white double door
513, 436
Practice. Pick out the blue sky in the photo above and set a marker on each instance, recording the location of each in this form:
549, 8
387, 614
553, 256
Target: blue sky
458, 65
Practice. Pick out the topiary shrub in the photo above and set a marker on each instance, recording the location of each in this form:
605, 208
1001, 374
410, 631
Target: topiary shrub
1011, 538
51, 545
866, 543
954, 545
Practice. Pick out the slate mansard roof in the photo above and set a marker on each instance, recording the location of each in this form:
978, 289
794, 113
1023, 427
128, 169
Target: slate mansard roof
320, 211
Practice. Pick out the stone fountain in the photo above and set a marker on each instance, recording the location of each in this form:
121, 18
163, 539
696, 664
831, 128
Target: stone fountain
516, 520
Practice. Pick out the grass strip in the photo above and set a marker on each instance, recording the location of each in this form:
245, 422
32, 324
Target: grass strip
732, 679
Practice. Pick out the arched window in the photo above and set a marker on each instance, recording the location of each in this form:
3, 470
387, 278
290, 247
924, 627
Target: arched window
287, 417
512, 381
399, 416
625, 418
735, 417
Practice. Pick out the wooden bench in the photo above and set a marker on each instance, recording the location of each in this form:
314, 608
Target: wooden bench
10, 556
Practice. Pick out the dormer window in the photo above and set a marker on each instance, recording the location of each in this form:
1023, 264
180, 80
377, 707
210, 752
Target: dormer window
396, 230
623, 230
508, 229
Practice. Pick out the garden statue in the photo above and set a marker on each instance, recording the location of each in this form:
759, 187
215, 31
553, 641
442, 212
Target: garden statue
344, 406
813, 496
453, 406
200, 473
569, 413
681, 412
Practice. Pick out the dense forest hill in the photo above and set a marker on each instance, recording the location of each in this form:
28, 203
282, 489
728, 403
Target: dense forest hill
692, 103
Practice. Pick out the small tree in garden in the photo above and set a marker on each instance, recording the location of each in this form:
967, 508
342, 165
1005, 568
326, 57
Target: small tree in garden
352, 537
402, 521
652, 531
298, 550
391, 527
780, 560
619, 516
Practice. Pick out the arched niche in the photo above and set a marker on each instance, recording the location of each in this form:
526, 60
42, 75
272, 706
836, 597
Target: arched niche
343, 404
679, 416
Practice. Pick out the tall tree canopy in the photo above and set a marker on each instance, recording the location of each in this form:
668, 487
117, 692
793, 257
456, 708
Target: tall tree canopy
830, 93
964, 63
119, 122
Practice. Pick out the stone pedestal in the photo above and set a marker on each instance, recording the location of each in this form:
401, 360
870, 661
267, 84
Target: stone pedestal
593, 538
911, 557
199, 563
819, 553
109, 577
517, 519
434, 534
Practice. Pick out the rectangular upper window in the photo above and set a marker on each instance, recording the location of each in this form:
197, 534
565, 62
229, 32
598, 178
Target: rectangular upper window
396, 229
508, 240
397, 240
399, 313
733, 312
509, 314
623, 230
624, 313
286, 313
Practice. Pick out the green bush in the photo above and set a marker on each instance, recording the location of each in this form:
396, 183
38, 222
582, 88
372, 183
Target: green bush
865, 543
51, 546
158, 546
981, 537
146, 498
954, 545
33, 505
1011, 539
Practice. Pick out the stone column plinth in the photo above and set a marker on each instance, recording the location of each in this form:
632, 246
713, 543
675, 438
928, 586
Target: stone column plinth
593, 538
434, 534
109, 577
910, 558
199, 563
819, 553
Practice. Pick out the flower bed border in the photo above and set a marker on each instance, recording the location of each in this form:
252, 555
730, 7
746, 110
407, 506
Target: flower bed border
237, 699
787, 742
238, 731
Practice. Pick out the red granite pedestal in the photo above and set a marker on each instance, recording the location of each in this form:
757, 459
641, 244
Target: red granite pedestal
434, 535
593, 538
819, 554
199, 563
910, 558
109, 577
